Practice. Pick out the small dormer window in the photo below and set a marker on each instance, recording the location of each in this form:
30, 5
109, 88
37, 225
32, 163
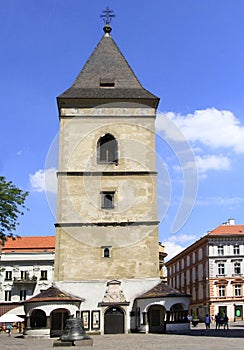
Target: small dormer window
107, 83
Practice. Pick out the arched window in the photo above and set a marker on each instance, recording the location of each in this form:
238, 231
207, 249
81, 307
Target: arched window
107, 149
106, 253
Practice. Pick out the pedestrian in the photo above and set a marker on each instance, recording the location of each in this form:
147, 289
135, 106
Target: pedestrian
207, 321
217, 321
10, 330
189, 318
226, 320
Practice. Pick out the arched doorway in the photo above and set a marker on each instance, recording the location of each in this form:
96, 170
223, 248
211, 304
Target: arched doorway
38, 319
58, 320
156, 318
114, 321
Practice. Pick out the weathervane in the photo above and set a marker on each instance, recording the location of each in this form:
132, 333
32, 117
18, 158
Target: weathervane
107, 16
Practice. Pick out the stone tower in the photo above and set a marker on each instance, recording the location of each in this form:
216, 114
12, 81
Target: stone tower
107, 226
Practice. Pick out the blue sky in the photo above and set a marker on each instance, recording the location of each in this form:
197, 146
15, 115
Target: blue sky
190, 53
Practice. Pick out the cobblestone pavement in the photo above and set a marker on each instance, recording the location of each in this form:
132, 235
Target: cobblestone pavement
198, 338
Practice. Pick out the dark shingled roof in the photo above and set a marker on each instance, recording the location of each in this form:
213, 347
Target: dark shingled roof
162, 290
108, 65
52, 294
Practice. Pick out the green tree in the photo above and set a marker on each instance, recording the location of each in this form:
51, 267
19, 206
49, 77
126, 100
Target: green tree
12, 201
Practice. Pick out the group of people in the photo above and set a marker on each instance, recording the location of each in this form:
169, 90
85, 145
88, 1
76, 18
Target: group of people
222, 321
218, 321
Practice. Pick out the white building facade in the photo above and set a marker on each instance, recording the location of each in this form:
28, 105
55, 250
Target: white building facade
26, 268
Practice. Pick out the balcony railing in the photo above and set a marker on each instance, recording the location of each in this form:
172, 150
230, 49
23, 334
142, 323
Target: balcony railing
28, 280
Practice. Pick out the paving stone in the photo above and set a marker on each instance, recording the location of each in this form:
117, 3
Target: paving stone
198, 339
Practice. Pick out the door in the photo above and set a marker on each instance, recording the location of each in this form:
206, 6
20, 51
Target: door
238, 313
114, 321
58, 320
156, 315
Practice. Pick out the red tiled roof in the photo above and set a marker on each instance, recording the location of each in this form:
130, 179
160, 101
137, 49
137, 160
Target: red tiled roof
53, 294
30, 244
228, 230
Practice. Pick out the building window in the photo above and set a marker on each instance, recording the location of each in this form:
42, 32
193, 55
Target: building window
8, 275
221, 269
106, 252
182, 264
107, 82
220, 249
237, 290
237, 268
221, 291
22, 295
43, 275
107, 200
24, 275
7, 296
107, 149
236, 249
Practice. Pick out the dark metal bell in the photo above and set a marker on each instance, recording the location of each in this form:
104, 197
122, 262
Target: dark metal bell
74, 330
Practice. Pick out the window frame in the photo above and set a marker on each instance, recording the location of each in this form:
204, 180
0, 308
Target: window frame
106, 252
237, 290
236, 249
220, 249
22, 295
221, 269
8, 275
107, 199
237, 268
43, 276
24, 275
222, 291
7, 295
109, 154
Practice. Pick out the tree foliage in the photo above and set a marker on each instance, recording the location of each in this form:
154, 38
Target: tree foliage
12, 201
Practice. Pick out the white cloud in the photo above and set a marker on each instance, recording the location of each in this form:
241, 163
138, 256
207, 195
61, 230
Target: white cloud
182, 238
212, 162
44, 180
172, 249
206, 163
211, 127
230, 201
176, 243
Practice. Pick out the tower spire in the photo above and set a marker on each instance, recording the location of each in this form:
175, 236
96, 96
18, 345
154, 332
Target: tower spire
107, 16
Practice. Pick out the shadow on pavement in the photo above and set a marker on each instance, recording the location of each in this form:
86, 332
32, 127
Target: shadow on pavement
228, 333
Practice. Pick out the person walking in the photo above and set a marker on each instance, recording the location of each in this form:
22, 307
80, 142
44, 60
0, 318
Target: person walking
10, 330
217, 321
226, 320
207, 321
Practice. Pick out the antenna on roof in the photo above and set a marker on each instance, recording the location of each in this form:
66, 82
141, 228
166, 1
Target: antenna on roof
107, 16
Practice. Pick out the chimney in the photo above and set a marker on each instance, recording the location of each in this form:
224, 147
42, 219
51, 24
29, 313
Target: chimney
231, 221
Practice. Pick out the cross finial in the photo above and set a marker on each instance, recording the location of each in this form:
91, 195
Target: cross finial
107, 16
